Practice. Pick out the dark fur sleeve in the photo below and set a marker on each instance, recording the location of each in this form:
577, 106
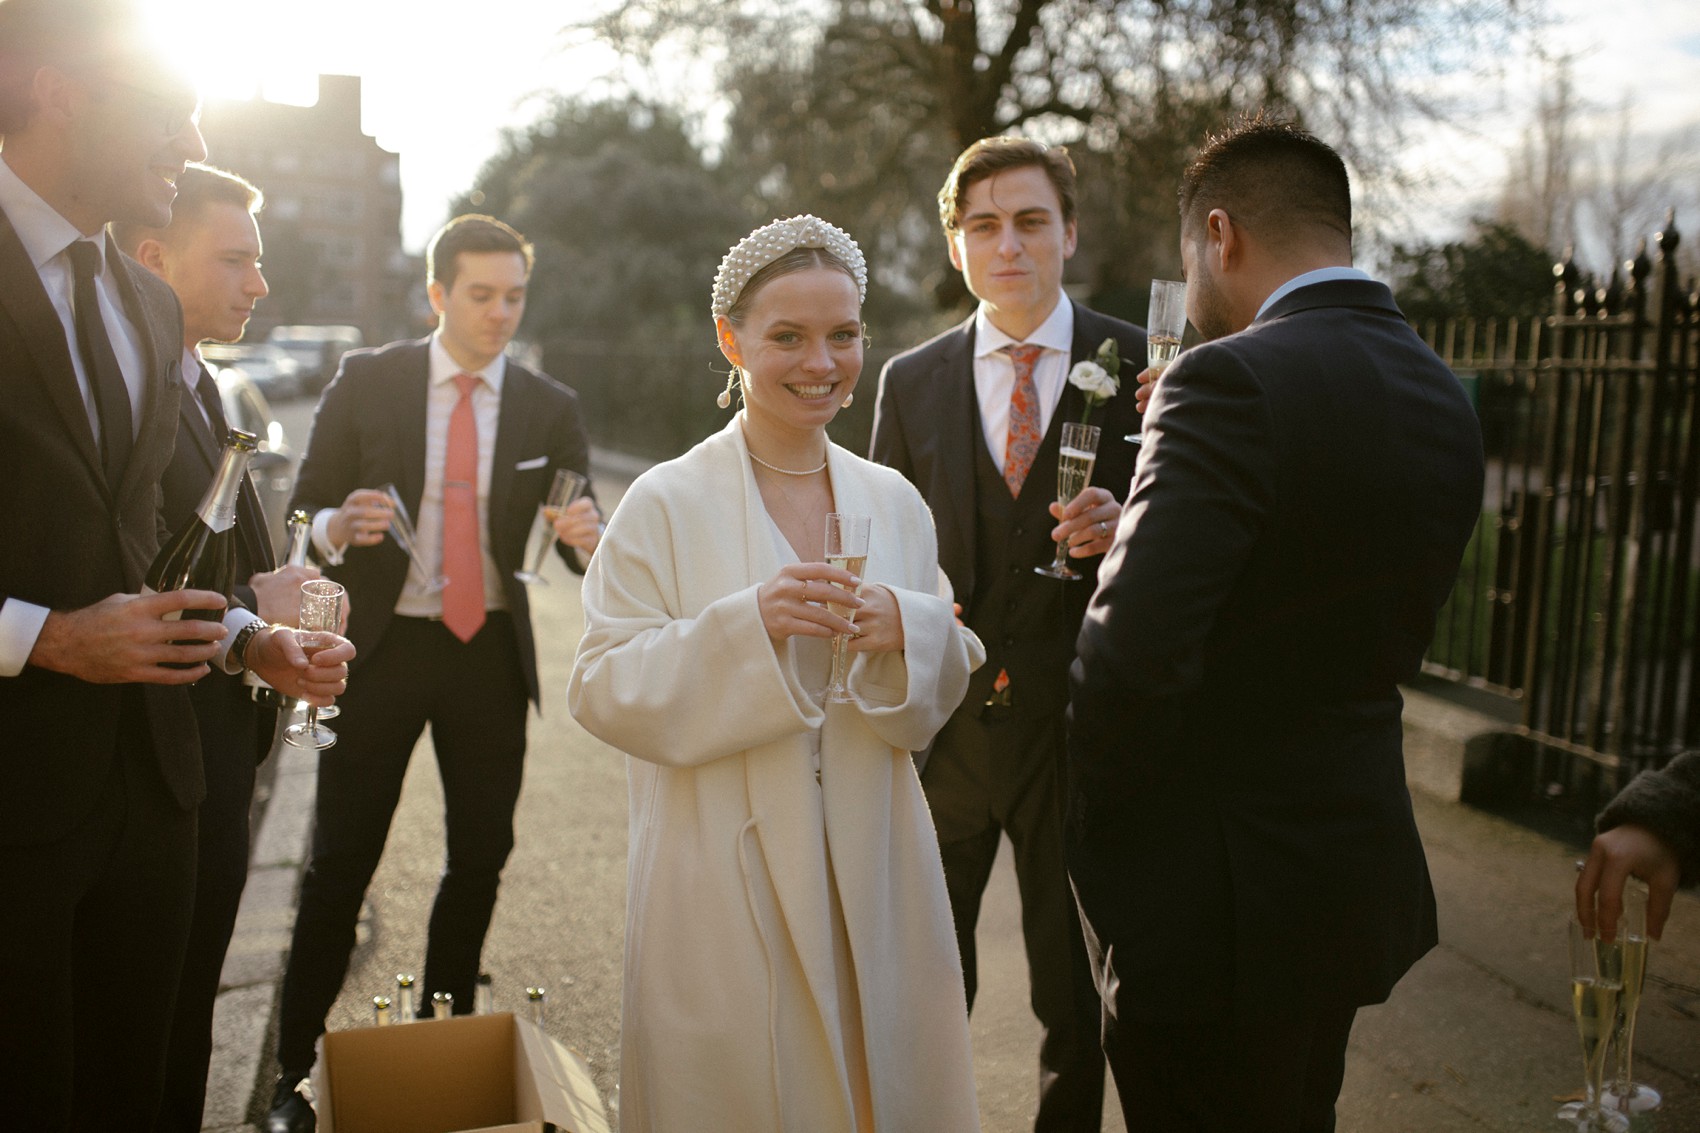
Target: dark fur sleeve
1666, 802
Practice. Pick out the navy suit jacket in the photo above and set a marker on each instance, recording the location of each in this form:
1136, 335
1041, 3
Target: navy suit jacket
72, 540
369, 430
1239, 824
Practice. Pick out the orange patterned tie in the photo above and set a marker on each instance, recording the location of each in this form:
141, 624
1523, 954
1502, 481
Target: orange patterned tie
463, 561
1024, 435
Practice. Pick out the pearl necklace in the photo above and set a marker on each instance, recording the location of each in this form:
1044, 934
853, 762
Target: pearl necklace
788, 471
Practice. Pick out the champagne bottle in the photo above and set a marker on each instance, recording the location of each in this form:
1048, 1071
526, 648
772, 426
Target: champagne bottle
201, 555
534, 1003
405, 1010
442, 1004
483, 996
300, 534
381, 1010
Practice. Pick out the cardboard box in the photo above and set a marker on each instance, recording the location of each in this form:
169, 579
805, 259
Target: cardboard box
468, 1074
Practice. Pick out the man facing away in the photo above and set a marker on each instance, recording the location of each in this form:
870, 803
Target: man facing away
101, 770
973, 418
1240, 836
471, 442
210, 256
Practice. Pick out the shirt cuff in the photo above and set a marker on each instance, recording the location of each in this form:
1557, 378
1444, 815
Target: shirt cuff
234, 619
328, 551
20, 625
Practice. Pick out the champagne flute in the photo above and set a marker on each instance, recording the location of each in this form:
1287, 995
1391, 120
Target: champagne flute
1596, 982
846, 549
1078, 454
1164, 327
1625, 1094
567, 487
321, 613
401, 529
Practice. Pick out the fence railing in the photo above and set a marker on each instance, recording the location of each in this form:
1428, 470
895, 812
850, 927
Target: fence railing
1577, 598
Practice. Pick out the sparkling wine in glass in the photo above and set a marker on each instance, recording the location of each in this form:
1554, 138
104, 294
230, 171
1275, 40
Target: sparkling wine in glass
401, 530
1074, 471
1164, 327
1625, 1094
1596, 983
321, 613
568, 486
846, 549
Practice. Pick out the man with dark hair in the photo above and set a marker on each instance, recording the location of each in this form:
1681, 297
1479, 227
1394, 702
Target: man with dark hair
973, 419
102, 768
471, 442
210, 256
1240, 836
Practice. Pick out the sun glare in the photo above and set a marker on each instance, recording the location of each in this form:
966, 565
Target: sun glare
238, 50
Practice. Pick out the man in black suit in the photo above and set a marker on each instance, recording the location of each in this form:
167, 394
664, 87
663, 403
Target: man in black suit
1240, 836
210, 256
101, 770
973, 419
461, 658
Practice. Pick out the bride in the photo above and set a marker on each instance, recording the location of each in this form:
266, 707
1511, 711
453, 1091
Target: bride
789, 960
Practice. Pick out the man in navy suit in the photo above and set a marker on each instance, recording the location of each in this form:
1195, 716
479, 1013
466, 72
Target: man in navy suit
1240, 836
471, 441
210, 255
101, 771
973, 419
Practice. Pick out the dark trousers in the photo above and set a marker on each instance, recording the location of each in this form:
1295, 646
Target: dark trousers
999, 774
229, 723
90, 951
1275, 1069
474, 698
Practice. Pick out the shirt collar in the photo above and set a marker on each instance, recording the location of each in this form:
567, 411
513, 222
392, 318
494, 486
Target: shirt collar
43, 232
1320, 275
444, 368
1055, 333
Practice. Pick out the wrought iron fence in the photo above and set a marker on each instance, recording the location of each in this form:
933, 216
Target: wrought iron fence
1577, 598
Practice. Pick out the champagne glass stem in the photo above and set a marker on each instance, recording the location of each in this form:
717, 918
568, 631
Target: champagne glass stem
840, 662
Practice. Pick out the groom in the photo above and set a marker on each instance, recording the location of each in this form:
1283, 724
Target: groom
973, 419
471, 440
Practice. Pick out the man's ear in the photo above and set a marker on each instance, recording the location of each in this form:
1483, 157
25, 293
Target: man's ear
1223, 239
150, 253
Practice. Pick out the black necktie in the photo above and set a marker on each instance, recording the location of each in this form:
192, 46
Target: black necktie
100, 364
207, 388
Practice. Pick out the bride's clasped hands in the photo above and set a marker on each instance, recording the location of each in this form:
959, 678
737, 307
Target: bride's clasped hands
795, 602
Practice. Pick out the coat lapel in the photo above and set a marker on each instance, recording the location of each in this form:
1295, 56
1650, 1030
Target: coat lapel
409, 424
957, 411
25, 302
511, 422
157, 434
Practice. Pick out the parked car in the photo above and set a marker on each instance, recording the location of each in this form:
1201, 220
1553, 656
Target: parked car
272, 468
318, 350
269, 367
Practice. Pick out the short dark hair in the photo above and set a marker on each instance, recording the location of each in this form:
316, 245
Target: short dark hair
198, 187
1270, 176
995, 155
66, 33
473, 232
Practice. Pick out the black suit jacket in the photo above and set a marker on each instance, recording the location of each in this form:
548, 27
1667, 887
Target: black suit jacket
370, 430
74, 540
927, 426
1239, 825
231, 722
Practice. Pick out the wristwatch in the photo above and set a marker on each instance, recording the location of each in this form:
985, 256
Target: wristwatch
245, 637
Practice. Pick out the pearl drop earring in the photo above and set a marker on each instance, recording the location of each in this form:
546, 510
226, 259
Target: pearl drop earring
848, 398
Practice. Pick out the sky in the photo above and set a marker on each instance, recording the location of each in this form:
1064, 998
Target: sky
441, 78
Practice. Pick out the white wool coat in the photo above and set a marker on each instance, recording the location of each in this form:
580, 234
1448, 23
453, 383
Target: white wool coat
729, 985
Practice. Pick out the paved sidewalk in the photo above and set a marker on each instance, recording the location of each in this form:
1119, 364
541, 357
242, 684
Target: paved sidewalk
1477, 1038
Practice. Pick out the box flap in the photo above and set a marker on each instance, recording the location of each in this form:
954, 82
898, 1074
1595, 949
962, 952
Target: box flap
434, 1076
565, 1090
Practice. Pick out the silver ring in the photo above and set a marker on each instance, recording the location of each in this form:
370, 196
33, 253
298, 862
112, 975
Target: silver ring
1103, 529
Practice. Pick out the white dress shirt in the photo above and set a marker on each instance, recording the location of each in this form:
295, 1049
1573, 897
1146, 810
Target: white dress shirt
46, 237
442, 395
994, 371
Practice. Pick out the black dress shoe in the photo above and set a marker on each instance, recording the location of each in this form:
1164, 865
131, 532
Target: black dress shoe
290, 1112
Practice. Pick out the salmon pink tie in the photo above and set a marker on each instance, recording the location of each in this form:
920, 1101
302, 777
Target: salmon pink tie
463, 561
1024, 435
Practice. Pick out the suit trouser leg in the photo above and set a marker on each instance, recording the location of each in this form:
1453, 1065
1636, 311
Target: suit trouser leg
955, 781
478, 730
360, 778
221, 872
91, 953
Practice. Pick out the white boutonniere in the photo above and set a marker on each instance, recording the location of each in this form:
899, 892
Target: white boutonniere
1097, 378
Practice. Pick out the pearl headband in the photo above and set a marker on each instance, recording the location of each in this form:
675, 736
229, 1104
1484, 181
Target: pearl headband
771, 241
